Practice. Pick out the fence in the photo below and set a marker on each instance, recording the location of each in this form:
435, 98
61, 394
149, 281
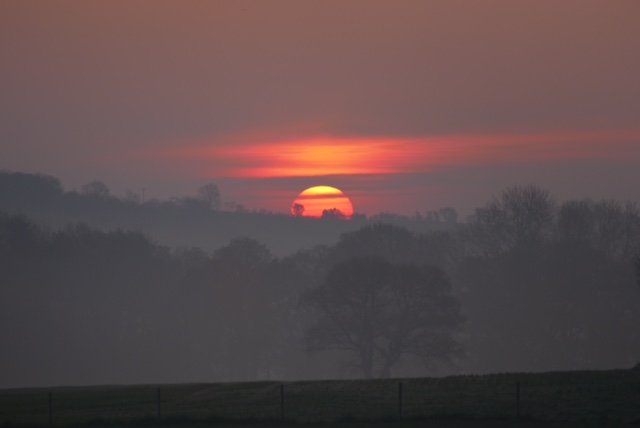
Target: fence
611, 395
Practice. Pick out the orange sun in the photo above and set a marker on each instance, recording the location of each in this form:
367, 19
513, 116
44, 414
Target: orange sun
322, 202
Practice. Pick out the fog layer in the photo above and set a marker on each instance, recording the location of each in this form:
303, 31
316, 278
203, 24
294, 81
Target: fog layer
528, 283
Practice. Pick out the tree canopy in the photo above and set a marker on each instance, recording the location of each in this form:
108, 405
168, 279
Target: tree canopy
380, 312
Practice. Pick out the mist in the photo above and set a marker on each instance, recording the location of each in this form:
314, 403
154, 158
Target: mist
99, 289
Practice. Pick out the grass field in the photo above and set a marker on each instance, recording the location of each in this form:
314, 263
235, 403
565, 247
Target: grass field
587, 398
400, 424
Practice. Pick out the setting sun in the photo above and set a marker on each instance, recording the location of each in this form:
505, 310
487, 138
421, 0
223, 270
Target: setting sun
322, 201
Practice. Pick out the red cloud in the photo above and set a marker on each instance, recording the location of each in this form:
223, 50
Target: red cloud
261, 157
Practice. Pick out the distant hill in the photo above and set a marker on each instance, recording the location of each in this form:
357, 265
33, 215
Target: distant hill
185, 221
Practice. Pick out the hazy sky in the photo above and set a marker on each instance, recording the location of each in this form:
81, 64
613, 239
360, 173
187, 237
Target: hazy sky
405, 105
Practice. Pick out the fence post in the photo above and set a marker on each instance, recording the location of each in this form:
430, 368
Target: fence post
518, 399
399, 400
282, 401
158, 408
50, 405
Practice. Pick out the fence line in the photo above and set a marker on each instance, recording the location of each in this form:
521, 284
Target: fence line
399, 400
50, 405
474, 396
518, 399
282, 402
159, 408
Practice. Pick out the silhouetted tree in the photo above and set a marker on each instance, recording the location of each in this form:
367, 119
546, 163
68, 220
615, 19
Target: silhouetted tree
608, 226
572, 264
576, 221
132, 198
240, 276
297, 210
448, 215
333, 214
210, 193
101, 296
616, 229
521, 216
19, 190
97, 189
380, 312
393, 243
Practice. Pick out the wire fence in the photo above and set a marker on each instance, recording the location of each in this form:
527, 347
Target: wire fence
611, 395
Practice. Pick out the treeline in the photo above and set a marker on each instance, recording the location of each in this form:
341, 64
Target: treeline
203, 220
551, 286
528, 284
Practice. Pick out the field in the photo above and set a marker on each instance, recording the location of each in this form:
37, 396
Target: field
458, 423
596, 398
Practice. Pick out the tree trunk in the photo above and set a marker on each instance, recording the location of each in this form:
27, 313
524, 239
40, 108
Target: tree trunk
385, 371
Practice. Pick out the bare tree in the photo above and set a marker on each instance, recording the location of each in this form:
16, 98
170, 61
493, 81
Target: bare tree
297, 210
520, 216
380, 312
333, 214
96, 188
211, 194
576, 220
608, 225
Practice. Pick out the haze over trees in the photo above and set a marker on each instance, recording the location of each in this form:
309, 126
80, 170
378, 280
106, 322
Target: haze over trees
192, 221
541, 285
550, 282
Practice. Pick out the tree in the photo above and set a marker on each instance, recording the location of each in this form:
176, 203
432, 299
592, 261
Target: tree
20, 191
609, 226
96, 188
521, 216
381, 312
297, 210
395, 244
210, 193
576, 221
333, 214
240, 274
449, 215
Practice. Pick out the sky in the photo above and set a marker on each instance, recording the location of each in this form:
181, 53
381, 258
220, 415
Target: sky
404, 105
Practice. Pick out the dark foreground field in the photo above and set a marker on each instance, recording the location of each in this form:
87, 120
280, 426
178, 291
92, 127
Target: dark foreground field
587, 398
396, 424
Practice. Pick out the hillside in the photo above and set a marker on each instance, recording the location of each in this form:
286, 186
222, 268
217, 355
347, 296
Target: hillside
182, 221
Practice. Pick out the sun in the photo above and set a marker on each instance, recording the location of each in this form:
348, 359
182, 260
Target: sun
322, 202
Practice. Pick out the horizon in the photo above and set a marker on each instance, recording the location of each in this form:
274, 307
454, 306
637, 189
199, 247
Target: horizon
449, 103
147, 194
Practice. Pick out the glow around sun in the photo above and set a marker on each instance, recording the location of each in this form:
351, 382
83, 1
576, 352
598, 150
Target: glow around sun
322, 201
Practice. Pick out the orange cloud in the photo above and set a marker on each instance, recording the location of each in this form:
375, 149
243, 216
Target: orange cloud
255, 157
